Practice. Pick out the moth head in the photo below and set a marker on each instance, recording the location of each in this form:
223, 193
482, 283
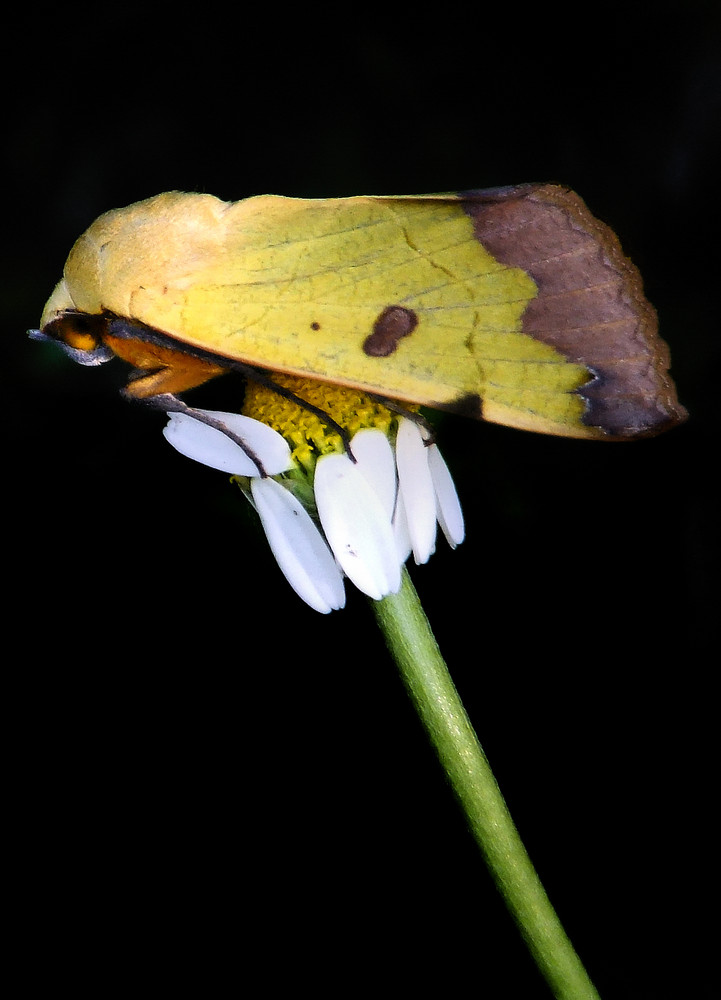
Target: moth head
79, 334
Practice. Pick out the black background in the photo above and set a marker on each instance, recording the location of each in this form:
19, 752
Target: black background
213, 783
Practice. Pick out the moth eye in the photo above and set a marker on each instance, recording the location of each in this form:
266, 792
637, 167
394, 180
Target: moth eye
81, 337
77, 331
81, 340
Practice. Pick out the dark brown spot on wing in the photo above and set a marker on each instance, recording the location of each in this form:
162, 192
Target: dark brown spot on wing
391, 326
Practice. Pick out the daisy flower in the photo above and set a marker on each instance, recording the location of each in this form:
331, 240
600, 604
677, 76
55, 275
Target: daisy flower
332, 509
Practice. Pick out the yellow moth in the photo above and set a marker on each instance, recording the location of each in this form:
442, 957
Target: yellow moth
513, 305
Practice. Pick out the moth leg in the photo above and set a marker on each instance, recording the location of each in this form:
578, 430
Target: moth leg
162, 364
169, 403
395, 407
267, 381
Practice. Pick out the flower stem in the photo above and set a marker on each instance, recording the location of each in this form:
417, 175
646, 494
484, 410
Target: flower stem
413, 646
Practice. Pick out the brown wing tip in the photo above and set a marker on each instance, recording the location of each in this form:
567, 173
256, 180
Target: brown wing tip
590, 306
643, 413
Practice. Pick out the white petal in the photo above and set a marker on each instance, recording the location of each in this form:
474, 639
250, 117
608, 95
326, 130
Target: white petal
400, 530
416, 485
210, 446
357, 527
374, 456
299, 548
450, 515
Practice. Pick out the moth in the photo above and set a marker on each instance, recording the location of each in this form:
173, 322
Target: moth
513, 305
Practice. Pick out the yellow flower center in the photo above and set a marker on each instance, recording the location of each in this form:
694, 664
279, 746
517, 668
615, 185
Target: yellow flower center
306, 433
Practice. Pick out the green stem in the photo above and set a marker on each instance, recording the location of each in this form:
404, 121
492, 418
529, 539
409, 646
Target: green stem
432, 691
